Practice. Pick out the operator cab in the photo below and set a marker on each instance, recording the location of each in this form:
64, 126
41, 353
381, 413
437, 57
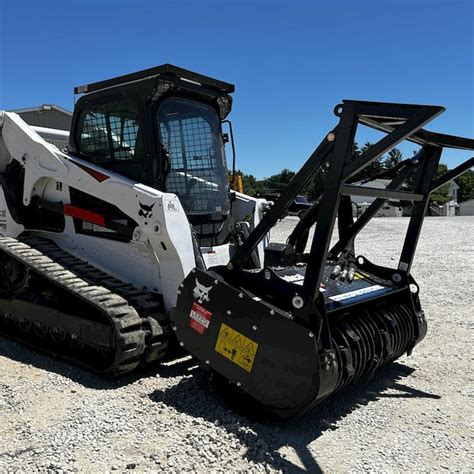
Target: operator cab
162, 127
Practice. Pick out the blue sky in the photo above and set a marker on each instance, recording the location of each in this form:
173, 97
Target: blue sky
291, 61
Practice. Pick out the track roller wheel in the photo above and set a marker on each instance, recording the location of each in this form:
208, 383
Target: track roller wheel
13, 276
25, 325
74, 342
58, 335
40, 329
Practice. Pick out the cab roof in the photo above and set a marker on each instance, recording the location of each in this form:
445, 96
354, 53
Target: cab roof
166, 70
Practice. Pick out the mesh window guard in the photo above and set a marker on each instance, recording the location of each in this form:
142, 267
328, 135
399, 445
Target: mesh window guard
190, 132
94, 135
110, 131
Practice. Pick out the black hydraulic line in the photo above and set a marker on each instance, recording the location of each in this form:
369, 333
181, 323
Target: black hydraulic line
232, 143
314, 162
429, 164
452, 174
375, 207
299, 236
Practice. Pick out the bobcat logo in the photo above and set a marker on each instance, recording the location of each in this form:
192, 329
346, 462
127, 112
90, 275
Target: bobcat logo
201, 292
171, 207
145, 211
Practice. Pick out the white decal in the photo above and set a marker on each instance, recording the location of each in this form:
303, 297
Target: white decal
298, 279
201, 292
198, 317
353, 294
172, 205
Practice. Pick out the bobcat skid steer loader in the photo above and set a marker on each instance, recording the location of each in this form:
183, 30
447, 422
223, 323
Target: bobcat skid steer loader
131, 238
96, 240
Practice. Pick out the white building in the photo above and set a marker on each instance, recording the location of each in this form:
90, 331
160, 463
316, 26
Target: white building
451, 208
466, 208
361, 203
50, 121
453, 191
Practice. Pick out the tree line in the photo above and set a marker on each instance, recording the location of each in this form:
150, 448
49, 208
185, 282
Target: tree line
385, 166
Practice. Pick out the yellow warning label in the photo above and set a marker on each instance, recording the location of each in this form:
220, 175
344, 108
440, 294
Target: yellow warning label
236, 347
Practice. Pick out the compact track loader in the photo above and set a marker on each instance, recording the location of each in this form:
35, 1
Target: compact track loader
97, 239
130, 239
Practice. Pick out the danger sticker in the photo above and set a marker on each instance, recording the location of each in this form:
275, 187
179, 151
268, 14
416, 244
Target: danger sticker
236, 347
199, 318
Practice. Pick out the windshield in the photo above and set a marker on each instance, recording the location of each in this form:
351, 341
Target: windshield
190, 132
301, 200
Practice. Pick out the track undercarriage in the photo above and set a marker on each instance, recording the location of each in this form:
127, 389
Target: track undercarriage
55, 302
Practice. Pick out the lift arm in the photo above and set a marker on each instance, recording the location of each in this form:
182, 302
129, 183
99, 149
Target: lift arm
165, 228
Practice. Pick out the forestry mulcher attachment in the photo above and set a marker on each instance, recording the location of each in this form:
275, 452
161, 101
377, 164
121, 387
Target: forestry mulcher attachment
131, 236
279, 340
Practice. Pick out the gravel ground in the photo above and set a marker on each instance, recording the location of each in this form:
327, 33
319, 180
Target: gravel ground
414, 415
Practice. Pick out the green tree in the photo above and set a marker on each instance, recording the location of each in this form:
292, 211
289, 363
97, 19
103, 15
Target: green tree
466, 186
394, 157
440, 196
278, 182
252, 186
315, 186
373, 169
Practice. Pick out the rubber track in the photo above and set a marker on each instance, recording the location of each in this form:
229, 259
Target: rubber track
141, 328
148, 305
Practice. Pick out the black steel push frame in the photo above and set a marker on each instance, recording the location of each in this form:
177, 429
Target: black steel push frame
399, 122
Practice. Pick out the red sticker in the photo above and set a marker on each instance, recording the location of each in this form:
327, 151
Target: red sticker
97, 175
199, 318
